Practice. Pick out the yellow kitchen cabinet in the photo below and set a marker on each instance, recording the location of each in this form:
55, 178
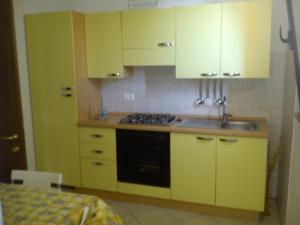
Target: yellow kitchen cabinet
97, 135
98, 151
52, 73
56, 135
193, 168
50, 50
149, 37
198, 41
241, 173
246, 39
99, 174
104, 45
98, 158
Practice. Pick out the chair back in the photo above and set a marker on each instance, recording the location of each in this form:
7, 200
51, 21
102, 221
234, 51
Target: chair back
36, 178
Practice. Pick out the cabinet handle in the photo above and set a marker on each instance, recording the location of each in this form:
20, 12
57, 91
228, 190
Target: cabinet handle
231, 74
113, 74
97, 163
66, 94
96, 151
209, 74
96, 135
228, 140
9, 138
165, 44
205, 138
68, 88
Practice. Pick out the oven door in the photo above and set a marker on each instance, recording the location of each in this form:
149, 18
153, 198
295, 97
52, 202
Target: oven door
143, 157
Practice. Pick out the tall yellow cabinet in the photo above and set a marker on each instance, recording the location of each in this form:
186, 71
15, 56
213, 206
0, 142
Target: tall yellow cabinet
52, 69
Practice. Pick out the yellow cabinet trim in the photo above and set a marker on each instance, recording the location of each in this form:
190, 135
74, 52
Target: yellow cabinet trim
144, 190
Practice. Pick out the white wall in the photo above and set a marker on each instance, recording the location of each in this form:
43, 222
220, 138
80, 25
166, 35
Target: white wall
22, 7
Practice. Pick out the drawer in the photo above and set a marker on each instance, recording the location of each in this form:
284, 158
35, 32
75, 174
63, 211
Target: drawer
97, 135
98, 151
99, 174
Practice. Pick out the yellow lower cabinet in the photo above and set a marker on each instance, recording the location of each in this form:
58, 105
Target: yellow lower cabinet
193, 168
99, 174
98, 151
241, 172
97, 135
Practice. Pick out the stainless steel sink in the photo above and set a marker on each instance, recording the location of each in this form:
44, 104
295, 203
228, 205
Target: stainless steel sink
200, 123
240, 125
216, 124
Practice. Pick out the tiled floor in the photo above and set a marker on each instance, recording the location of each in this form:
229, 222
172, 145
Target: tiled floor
137, 214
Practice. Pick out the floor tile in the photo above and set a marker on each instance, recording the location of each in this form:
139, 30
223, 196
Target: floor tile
229, 221
156, 216
119, 208
137, 208
180, 214
200, 220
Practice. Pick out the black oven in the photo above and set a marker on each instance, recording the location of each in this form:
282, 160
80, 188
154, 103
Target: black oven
143, 157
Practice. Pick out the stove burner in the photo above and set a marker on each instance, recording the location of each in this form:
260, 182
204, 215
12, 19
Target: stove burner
149, 119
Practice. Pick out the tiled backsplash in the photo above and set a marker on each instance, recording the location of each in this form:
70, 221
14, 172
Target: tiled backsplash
157, 90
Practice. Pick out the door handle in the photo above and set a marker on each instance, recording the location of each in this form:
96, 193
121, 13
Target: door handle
205, 138
228, 140
166, 44
9, 138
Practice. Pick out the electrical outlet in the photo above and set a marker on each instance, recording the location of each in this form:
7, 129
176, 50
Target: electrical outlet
128, 96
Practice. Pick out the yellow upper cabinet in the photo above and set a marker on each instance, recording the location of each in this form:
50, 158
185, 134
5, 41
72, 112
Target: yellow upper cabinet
246, 36
241, 173
193, 167
104, 45
50, 50
198, 41
149, 37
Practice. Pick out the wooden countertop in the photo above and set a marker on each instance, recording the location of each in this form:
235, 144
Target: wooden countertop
112, 121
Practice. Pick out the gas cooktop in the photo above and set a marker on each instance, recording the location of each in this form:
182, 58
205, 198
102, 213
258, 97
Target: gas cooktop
149, 119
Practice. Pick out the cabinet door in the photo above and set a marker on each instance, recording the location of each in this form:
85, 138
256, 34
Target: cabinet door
104, 45
246, 38
56, 135
193, 168
50, 51
241, 172
149, 37
99, 174
198, 41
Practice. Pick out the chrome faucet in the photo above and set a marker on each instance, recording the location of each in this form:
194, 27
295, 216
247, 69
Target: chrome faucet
225, 115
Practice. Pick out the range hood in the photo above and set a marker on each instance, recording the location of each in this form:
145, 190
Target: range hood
293, 39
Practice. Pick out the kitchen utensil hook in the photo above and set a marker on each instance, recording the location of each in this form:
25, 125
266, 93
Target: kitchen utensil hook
286, 40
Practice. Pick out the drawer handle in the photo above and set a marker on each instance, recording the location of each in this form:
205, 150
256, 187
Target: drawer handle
231, 74
165, 44
209, 74
228, 140
96, 135
113, 74
97, 163
68, 88
66, 95
97, 151
205, 138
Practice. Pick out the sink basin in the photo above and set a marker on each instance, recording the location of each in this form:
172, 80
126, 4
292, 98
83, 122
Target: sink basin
216, 124
240, 125
200, 123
